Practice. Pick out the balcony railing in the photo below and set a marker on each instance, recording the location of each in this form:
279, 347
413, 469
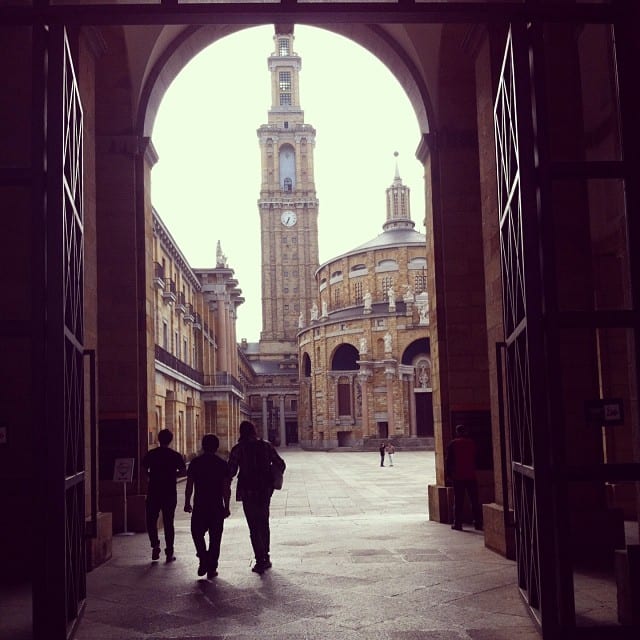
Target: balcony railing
222, 380
169, 295
158, 275
174, 363
188, 314
197, 321
181, 303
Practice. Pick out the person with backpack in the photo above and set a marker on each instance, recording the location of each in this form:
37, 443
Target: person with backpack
252, 459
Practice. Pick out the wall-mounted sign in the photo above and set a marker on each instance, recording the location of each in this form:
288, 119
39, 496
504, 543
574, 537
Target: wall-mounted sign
604, 412
123, 470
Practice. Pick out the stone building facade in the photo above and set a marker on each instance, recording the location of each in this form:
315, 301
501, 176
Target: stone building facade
365, 365
197, 367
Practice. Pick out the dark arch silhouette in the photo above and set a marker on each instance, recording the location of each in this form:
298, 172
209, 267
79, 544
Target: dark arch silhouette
306, 365
188, 43
345, 358
416, 348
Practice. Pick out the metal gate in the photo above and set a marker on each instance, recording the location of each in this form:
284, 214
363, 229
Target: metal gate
521, 312
536, 323
59, 587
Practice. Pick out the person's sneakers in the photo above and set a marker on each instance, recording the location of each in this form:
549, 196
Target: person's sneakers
202, 569
211, 573
170, 556
155, 554
456, 527
266, 563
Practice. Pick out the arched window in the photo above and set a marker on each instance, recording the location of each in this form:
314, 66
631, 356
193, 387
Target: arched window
306, 365
287, 168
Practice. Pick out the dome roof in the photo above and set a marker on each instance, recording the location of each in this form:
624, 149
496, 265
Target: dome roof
389, 238
398, 229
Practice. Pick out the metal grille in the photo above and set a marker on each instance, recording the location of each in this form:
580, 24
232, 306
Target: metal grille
514, 294
65, 273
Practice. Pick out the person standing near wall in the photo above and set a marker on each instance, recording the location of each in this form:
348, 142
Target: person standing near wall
460, 469
163, 466
252, 458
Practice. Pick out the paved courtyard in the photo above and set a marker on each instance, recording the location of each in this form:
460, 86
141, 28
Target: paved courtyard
354, 555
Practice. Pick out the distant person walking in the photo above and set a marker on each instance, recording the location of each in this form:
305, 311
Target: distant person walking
390, 450
209, 476
253, 459
460, 469
382, 450
163, 466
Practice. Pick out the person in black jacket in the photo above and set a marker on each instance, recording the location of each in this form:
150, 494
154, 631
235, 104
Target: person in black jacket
209, 475
164, 466
253, 459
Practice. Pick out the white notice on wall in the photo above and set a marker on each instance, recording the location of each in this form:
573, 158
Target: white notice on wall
123, 470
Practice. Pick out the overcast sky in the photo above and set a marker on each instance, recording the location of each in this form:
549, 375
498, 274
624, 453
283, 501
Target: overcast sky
206, 183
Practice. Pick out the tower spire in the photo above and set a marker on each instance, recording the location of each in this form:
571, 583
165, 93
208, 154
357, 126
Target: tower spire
398, 204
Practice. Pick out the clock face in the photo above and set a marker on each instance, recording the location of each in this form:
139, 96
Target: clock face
288, 218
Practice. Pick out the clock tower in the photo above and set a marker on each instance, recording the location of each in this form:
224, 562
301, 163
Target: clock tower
288, 205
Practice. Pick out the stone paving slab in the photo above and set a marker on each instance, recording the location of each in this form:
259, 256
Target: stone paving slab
355, 557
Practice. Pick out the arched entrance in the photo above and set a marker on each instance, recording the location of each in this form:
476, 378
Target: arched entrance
119, 150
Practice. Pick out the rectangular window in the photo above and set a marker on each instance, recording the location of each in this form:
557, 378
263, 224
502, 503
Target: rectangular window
387, 282
285, 99
420, 283
283, 47
344, 399
336, 296
357, 290
285, 80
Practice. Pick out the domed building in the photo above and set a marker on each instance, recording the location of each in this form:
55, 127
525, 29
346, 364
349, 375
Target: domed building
364, 353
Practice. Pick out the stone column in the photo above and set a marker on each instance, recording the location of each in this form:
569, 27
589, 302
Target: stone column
283, 425
364, 386
413, 429
265, 419
390, 374
221, 335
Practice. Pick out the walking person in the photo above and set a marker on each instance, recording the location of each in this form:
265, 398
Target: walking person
208, 474
252, 458
390, 450
382, 451
460, 468
163, 466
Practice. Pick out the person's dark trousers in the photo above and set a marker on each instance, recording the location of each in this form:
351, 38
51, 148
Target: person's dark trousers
460, 488
256, 511
213, 524
167, 506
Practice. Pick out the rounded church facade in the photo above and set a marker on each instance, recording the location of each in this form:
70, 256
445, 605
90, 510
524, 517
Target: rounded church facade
364, 348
